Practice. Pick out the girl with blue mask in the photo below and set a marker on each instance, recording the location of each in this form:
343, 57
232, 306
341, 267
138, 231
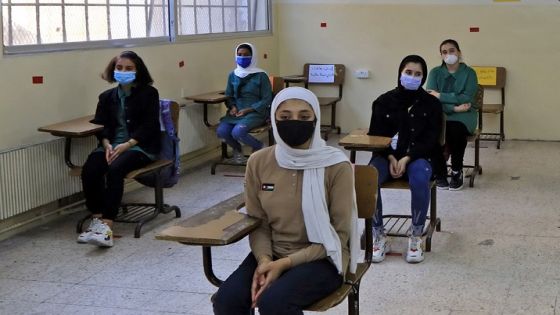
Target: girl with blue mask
129, 140
413, 118
249, 96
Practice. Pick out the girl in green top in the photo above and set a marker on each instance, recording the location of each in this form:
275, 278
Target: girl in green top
249, 97
455, 85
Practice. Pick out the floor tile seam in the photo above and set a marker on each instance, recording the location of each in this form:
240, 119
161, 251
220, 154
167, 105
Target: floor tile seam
110, 307
142, 289
39, 280
502, 234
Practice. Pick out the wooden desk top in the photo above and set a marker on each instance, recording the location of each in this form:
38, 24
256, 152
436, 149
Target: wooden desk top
294, 78
358, 139
79, 127
220, 225
208, 98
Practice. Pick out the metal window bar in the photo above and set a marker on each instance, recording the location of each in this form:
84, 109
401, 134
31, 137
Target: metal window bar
10, 29
223, 17
38, 21
109, 34
195, 16
63, 22
128, 31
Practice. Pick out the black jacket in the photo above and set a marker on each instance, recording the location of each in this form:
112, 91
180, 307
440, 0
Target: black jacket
418, 126
141, 116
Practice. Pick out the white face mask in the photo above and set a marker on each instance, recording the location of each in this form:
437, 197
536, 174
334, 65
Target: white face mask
451, 59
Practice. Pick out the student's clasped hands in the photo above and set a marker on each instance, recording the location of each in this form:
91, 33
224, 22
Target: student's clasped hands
398, 168
112, 154
266, 273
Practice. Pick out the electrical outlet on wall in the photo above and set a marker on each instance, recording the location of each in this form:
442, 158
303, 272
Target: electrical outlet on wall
361, 74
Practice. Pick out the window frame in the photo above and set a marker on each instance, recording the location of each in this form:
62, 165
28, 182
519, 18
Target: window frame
172, 38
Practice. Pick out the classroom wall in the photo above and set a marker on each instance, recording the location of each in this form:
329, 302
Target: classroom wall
72, 81
521, 37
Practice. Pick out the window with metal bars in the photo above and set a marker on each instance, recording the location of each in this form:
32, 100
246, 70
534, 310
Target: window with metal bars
50, 25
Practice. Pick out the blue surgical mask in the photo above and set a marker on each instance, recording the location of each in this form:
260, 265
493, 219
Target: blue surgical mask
124, 77
410, 83
243, 61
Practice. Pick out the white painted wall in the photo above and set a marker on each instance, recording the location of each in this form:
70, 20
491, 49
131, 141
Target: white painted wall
523, 38
72, 81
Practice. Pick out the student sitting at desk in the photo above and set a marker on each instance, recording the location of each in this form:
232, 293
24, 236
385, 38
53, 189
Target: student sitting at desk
249, 96
455, 85
413, 118
129, 140
303, 191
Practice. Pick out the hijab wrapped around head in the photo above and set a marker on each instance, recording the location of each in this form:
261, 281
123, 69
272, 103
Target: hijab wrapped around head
313, 162
252, 68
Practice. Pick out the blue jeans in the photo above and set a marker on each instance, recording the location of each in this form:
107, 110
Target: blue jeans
232, 134
418, 173
294, 290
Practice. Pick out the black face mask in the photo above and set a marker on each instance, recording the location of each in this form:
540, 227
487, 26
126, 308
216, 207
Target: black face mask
295, 132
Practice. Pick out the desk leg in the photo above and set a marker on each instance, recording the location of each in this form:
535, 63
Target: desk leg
67, 150
207, 262
205, 113
353, 156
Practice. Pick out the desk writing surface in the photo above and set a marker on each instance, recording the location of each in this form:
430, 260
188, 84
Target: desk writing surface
210, 97
358, 138
219, 225
79, 127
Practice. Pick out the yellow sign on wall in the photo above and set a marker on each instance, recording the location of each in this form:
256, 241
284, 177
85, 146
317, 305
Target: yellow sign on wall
486, 75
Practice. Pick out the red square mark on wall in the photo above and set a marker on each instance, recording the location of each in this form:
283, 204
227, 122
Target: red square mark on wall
474, 29
37, 79
323, 24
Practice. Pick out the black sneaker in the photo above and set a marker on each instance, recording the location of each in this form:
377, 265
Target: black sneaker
442, 183
456, 180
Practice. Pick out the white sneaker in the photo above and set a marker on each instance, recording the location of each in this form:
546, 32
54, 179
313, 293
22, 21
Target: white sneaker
381, 246
85, 235
414, 254
102, 236
239, 158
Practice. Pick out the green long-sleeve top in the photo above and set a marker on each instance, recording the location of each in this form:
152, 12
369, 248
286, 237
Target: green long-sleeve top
455, 89
253, 91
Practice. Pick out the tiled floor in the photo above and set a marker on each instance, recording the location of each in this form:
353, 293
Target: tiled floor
498, 252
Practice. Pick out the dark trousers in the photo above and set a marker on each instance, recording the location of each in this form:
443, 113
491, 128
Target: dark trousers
456, 135
295, 289
103, 184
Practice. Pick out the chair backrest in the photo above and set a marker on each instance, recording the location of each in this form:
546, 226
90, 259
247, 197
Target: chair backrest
366, 185
365, 177
324, 74
175, 109
169, 176
443, 129
277, 84
479, 100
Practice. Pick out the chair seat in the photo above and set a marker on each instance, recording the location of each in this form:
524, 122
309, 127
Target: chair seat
148, 168
493, 108
474, 136
399, 184
261, 129
341, 293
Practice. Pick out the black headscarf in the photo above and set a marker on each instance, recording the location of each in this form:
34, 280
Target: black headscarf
408, 95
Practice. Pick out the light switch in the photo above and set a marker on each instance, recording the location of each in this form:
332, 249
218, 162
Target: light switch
361, 74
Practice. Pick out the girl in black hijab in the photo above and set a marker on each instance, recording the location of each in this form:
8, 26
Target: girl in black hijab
413, 118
